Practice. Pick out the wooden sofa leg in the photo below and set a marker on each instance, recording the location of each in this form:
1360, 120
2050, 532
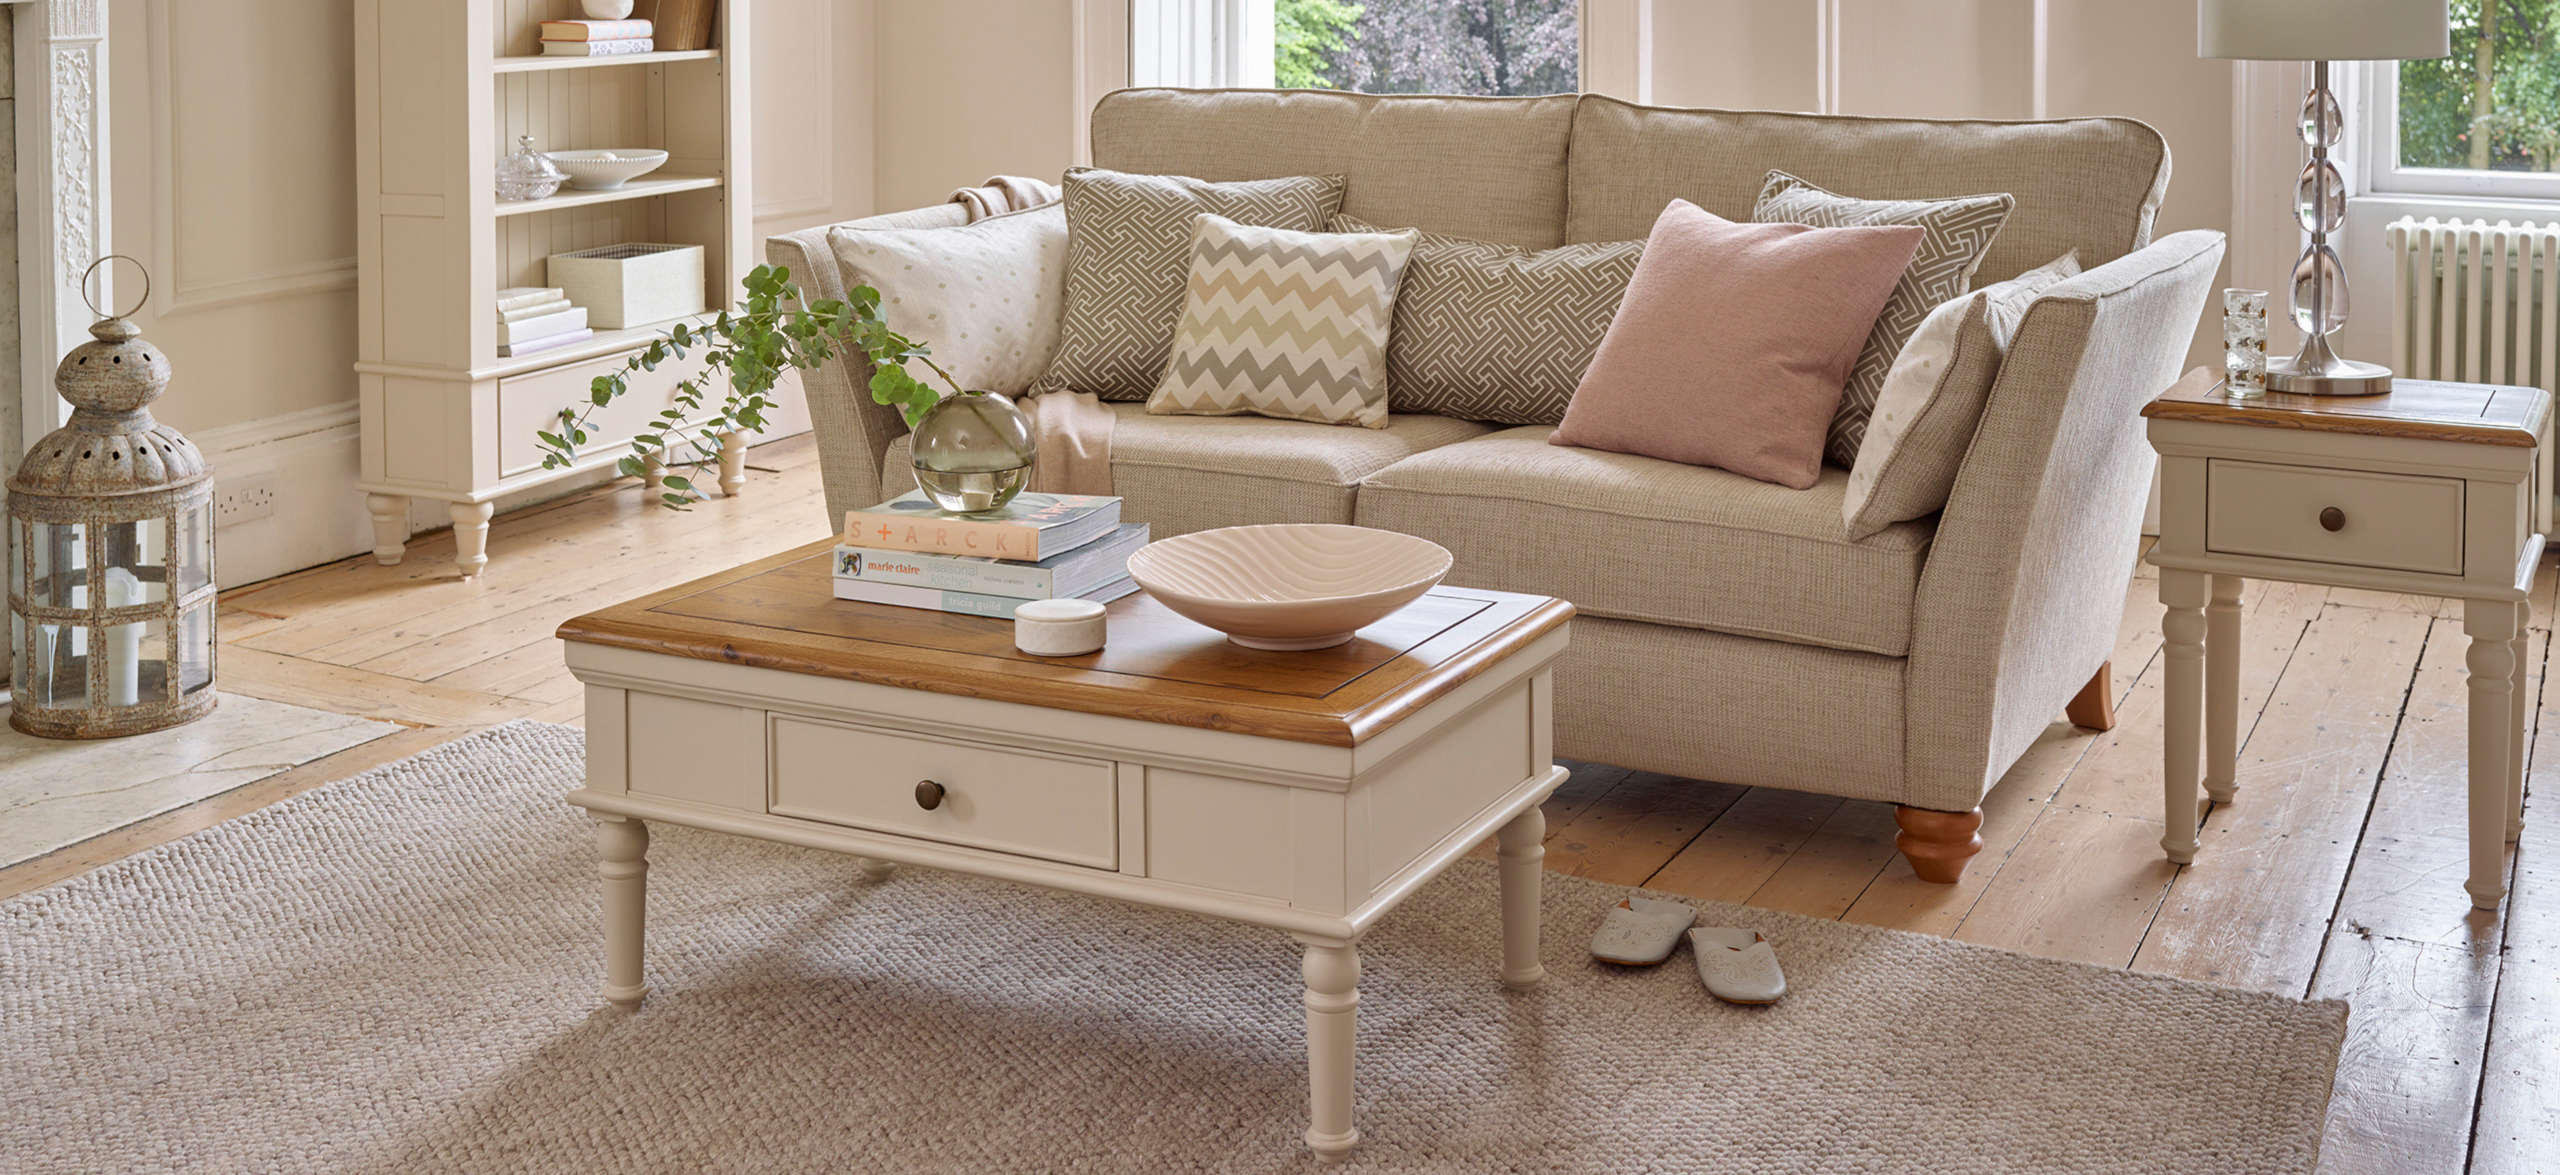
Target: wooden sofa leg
1938, 843
2094, 708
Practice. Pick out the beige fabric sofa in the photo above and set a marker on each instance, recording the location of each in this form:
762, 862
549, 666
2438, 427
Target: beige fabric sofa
1730, 629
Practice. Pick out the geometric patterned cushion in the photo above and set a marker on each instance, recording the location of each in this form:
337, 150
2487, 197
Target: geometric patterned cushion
1497, 332
1954, 235
1284, 324
1128, 249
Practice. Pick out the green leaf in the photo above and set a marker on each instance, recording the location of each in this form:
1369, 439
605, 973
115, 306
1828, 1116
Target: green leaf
629, 467
678, 482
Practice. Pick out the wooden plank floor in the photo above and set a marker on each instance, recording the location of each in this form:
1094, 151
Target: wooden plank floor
2336, 872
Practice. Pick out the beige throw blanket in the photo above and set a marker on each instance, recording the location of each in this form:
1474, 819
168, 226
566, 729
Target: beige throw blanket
1072, 430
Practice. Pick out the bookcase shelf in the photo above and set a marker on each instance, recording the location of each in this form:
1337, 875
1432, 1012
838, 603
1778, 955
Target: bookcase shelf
541, 63
653, 184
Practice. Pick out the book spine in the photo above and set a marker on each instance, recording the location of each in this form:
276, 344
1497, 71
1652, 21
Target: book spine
596, 48
961, 603
520, 297
553, 343
941, 536
594, 30
943, 573
535, 310
534, 330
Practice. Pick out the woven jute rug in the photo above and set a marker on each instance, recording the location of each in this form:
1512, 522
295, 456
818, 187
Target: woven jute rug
399, 973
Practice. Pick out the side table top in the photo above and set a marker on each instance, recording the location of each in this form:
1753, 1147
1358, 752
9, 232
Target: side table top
780, 613
2480, 414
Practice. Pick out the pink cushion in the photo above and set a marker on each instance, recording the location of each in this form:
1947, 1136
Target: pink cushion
1734, 341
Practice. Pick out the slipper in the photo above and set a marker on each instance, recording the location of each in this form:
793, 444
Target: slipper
1640, 932
1738, 966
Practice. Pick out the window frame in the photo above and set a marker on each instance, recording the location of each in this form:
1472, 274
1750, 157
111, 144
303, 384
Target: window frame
2377, 148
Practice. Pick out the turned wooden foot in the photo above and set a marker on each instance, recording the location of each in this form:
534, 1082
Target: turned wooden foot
2094, 707
1938, 843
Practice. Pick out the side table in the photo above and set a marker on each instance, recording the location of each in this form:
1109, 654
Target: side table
2436, 489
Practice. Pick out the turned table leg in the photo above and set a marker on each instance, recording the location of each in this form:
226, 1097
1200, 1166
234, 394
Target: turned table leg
733, 463
471, 536
653, 474
2222, 690
1523, 852
2491, 625
624, 844
874, 868
1332, 970
2182, 631
390, 514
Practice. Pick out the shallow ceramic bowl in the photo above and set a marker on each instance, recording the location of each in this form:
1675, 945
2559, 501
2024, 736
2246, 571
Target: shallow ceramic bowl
1289, 586
601, 170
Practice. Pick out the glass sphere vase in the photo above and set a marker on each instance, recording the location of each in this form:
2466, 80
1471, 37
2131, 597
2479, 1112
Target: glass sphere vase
973, 452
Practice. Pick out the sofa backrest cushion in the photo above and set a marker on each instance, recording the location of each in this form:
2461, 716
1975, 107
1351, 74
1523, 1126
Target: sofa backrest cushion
1492, 169
2091, 184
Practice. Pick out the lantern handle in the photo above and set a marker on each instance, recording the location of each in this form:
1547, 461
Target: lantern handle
92, 271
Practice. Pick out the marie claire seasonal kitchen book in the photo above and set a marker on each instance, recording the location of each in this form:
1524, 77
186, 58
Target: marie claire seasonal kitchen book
1068, 573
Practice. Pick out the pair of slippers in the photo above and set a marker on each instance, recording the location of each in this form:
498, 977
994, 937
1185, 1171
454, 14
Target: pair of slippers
1738, 966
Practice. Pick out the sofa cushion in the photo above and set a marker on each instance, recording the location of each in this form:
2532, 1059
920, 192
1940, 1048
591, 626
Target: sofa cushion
1639, 539
1128, 251
1284, 324
1496, 332
1185, 473
1492, 169
986, 296
2091, 184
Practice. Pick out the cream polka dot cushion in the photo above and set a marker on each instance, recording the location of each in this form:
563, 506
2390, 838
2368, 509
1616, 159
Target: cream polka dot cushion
987, 297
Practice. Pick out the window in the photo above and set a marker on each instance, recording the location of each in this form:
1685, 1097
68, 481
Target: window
1372, 46
2483, 121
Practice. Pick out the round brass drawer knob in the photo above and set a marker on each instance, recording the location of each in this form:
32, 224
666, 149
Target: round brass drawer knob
929, 795
2333, 519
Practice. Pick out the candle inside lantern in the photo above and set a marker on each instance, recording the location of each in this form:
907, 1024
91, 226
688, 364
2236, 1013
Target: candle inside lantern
124, 641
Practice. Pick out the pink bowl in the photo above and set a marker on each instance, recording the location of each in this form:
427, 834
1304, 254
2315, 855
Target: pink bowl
1292, 585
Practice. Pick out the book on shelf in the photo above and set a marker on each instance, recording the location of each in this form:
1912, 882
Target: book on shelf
594, 30
1027, 529
963, 603
685, 24
598, 48
547, 343
537, 310
519, 297
1068, 573
540, 327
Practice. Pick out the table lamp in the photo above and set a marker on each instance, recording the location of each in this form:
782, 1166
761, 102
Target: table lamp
2322, 31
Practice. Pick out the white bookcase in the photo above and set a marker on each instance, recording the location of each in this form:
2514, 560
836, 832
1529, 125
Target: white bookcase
443, 90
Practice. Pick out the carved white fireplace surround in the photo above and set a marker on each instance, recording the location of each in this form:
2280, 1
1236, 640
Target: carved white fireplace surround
62, 189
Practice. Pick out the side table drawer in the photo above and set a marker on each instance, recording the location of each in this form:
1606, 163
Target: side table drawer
2384, 520
1013, 801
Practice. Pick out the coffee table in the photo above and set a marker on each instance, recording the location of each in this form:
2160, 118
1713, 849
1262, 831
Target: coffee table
1307, 792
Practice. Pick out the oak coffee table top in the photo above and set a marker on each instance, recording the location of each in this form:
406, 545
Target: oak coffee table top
780, 613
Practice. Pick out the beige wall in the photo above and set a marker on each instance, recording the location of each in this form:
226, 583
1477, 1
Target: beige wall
234, 180
971, 88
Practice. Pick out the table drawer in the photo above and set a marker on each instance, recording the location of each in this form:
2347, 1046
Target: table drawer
531, 403
1027, 802
2383, 519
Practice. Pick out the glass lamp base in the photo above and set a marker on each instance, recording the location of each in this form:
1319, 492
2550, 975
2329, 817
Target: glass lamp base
2337, 377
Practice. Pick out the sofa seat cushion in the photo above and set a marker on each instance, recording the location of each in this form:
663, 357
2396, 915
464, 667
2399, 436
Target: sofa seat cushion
1179, 474
1635, 538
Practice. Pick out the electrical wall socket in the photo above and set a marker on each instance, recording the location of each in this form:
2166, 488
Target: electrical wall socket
244, 499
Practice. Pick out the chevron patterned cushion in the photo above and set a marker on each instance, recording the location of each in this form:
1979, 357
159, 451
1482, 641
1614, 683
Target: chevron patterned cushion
1498, 332
1286, 324
1128, 249
1954, 236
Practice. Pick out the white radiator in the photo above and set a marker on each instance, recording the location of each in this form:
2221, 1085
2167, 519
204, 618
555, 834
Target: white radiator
2476, 302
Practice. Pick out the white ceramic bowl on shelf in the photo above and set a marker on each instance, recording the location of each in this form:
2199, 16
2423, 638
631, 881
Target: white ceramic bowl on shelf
604, 170
1292, 585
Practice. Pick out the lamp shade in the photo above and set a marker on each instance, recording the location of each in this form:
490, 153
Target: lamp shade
2321, 30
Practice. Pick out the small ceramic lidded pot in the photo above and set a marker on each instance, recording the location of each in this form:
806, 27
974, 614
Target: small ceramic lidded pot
1058, 628
2244, 343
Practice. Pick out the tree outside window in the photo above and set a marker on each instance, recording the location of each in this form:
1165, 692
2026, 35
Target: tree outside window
1428, 46
2494, 103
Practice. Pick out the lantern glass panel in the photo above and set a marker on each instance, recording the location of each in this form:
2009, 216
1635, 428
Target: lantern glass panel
140, 550
195, 648
135, 661
195, 547
58, 565
52, 671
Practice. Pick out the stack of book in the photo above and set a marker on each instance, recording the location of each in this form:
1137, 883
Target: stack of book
908, 552
533, 319
595, 38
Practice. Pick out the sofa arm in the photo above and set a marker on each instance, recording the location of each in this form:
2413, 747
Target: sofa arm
854, 431
2024, 587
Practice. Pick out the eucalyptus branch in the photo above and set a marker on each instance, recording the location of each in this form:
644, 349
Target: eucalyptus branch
771, 330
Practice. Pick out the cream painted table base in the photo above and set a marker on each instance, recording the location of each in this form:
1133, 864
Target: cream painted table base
2436, 489
1308, 793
